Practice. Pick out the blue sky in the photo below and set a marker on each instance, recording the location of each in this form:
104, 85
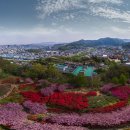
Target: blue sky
34, 21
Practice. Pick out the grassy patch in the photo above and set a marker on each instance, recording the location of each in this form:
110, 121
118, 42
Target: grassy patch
101, 101
15, 97
28, 88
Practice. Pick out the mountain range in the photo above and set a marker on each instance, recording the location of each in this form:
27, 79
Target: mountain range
81, 44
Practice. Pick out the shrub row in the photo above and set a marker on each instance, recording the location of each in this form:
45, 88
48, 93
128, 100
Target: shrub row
110, 119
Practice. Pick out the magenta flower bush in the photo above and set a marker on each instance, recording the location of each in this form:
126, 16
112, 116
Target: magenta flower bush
119, 94
35, 108
106, 88
122, 92
96, 119
12, 115
47, 91
62, 88
54, 88
38, 126
12, 106
29, 80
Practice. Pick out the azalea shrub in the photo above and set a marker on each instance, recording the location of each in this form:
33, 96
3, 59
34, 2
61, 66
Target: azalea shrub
91, 93
35, 108
54, 88
75, 101
55, 110
12, 114
32, 96
94, 119
38, 126
122, 92
28, 80
69, 100
13, 117
12, 106
43, 83
47, 91
106, 88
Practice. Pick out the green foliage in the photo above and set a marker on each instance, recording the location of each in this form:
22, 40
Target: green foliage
15, 97
115, 80
116, 70
40, 117
96, 82
123, 79
48, 61
2, 74
79, 81
40, 70
36, 71
4, 127
8, 67
52, 73
98, 60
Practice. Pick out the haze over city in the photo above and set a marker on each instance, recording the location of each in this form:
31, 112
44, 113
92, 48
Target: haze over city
35, 21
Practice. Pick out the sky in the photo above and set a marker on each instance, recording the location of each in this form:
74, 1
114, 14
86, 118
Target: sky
36, 21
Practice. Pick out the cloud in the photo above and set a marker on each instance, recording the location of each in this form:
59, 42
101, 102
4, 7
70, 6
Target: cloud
60, 34
112, 13
48, 7
40, 34
70, 9
107, 1
121, 31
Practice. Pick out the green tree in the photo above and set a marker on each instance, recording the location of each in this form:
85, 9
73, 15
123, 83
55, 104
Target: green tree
115, 70
79, 81
96, 82
123, 79
53, 73
36, 71
115, 80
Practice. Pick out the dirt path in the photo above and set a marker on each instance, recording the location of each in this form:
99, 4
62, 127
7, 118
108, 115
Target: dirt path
9, 92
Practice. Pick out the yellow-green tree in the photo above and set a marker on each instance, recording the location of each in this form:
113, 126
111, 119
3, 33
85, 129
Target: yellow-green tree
36, 71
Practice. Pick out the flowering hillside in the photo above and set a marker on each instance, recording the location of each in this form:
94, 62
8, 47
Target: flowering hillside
61, 106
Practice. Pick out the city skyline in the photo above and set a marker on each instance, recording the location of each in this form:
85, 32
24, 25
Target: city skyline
36, 21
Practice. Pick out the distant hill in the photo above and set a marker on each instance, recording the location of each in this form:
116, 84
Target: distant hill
126, 45
126, 40
90, 43
43, 45
81, 44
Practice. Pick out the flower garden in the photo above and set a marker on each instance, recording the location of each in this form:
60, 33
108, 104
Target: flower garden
56, 107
